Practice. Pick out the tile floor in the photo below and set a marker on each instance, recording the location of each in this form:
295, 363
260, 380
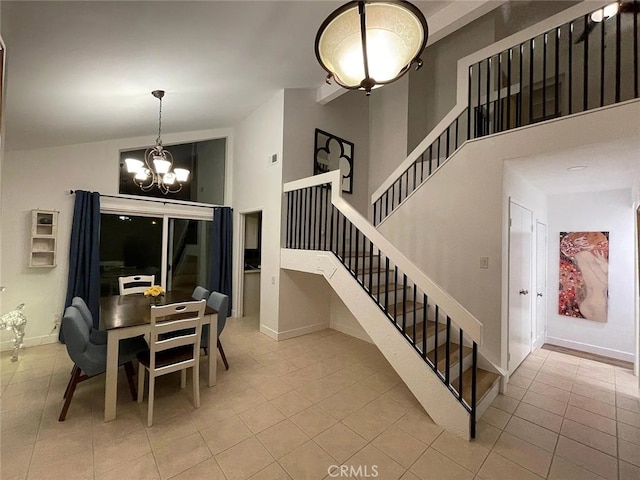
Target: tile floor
295, 408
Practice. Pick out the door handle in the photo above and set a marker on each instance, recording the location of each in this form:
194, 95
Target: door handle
524, 292
539, 294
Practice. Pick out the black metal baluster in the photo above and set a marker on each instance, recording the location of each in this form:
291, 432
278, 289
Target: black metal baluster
395, 300
326, 214
378, 290
477, 116
314, 217
344, 237
375, 208
635, 55
585, 93
415, 175
447, 359
447, 147
509, 61
460, 366
498, 108
351, 246
545, 39
289, 221
413, 336
602, 47
430, 159
307, 218
474, 375
331, 247
435, 339
438, 159
618, 57
386, 285
425, 318
488, 107
469, 102
404, 301
386, 199
520, 93
557, 73
421, 167
393, 195
357, 254
531, 47
570, 66
400, 189
370, 267
299, 224
455, 147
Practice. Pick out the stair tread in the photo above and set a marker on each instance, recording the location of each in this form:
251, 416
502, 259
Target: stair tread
382, 288
485, 381
399, 308
431, 329
454, 355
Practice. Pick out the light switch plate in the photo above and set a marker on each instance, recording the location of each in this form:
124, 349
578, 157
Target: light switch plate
484, 262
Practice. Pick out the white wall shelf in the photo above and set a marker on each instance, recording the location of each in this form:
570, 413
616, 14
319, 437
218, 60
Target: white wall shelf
44, 227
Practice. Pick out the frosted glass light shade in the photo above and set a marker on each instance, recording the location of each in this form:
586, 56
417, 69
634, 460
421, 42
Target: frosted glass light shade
182, 174
161, 165
133, 165
142, 174
395, 34
168, 178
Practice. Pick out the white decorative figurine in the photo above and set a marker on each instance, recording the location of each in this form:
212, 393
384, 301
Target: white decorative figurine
14, 321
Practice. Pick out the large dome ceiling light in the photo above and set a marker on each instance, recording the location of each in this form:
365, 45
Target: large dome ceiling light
366, 44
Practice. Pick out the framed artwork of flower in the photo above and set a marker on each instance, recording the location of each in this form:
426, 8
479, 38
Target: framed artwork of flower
334, 153
584, 275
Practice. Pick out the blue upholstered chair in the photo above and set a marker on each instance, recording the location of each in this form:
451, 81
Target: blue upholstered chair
200, 293
89, 359
219, 302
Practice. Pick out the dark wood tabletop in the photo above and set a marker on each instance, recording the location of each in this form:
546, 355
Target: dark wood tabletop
119, 311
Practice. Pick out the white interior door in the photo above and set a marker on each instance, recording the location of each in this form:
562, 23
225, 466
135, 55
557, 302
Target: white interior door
541, 285
520, 321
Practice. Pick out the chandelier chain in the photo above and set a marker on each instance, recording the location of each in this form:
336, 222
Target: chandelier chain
158, 141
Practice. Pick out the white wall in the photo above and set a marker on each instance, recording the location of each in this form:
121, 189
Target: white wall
388, 123
33, 179
257, 185
609, 211
460, 213
342, 319
346, 117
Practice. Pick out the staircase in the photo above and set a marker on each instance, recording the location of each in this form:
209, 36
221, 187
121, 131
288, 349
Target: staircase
430, 339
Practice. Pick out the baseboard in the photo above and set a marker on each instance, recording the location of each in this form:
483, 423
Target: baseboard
30, 342
294, 332
585, 347
358, 333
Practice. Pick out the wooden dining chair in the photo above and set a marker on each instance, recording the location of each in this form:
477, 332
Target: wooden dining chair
174, 345
135, 283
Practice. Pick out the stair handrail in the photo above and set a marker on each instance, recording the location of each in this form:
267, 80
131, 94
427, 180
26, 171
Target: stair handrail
460, 315
462, 89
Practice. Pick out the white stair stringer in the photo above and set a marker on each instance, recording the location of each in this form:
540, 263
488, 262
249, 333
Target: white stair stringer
433, 395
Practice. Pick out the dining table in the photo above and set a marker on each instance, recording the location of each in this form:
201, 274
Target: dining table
126, 316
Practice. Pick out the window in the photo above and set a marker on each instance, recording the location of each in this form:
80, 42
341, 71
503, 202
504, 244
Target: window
206, 162
137, 244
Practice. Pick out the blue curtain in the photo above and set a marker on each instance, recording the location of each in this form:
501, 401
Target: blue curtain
84, 253
221, 248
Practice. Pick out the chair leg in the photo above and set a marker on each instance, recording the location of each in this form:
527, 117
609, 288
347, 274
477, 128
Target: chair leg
196, 384
73, 372
183, 378
128, 369
224, 358
141, 373
75, 378
152, 387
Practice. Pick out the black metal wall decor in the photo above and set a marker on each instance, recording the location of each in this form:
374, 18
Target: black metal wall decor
334, 153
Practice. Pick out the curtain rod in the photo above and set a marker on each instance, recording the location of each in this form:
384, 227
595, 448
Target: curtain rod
164, 202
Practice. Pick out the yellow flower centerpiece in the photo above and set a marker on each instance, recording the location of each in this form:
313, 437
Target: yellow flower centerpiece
154, 293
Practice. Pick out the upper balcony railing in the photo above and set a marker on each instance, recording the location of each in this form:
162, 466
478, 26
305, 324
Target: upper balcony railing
550, 70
